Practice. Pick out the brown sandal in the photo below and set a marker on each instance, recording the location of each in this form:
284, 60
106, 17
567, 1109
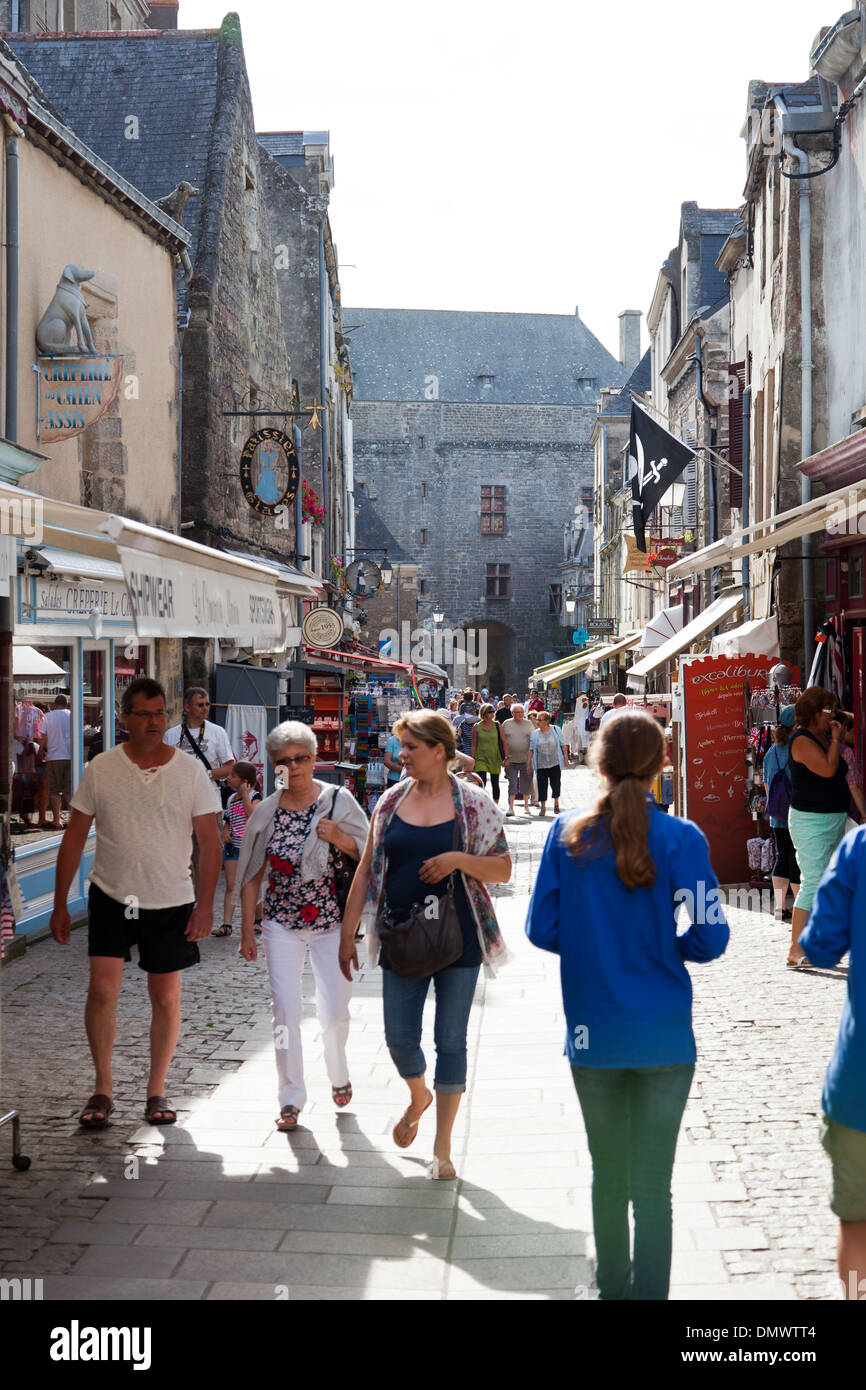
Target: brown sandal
288, 1119
341, 1095
158, 1106
98, 1104
411, 1125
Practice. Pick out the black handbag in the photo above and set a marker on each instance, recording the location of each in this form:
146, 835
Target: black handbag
344, 866
420, 944
223, 788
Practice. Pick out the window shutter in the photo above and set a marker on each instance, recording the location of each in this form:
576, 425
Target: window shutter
690, 508
736, 374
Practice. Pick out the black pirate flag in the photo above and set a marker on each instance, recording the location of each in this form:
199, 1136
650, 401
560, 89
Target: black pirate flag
656, 460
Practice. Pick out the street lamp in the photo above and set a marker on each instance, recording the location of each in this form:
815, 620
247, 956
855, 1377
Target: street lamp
438, 613
570, 602
386, 571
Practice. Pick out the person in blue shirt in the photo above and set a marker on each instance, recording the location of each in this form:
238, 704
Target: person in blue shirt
837, 923
606, 901
786, 870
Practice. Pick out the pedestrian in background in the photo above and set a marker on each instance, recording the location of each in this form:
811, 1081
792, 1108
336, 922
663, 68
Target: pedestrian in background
244, 782
579, 736
411, 854
819, 800
488, 750
548, 756
503, 711
517, 732
836, 925
55, 743
606, 900
294, 836
392, 762
786, 870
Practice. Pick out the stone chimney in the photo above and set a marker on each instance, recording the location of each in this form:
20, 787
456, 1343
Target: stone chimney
163, 14
629, 338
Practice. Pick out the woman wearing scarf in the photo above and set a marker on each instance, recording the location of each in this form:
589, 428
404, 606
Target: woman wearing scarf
408, 858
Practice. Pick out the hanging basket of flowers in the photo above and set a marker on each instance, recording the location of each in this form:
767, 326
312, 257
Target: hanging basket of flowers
312, 507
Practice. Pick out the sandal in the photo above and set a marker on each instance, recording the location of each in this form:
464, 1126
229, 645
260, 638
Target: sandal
288, 1119
410, 1125
439, 1169
224, 930
796, 964
341, 1095
157, 1111
98, 1104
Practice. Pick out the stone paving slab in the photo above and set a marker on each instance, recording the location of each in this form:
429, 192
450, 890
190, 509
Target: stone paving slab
221, 1207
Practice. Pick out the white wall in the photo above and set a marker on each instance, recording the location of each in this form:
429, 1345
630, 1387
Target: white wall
845, 278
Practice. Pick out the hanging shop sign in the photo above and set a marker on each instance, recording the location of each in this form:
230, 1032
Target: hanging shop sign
636, 560
322, 627
269, 471
363, 578
170, 599
74, 392
598, 627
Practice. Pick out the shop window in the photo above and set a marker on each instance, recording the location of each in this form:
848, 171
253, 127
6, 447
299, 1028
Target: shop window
856, 574
831, 581
492, 510
498, 581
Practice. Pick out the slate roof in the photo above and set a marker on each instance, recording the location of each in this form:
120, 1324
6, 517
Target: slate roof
716, 226
167, 79
638, 384
282, 142
371, 533
534, 358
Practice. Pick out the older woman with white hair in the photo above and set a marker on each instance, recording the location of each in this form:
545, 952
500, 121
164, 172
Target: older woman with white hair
296, 836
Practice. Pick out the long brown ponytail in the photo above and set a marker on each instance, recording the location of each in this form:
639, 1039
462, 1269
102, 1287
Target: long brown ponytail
629, 752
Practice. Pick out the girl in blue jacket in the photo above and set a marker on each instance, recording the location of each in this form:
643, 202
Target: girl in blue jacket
606, 901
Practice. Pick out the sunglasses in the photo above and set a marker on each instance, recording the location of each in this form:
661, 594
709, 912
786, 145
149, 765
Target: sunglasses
290, 762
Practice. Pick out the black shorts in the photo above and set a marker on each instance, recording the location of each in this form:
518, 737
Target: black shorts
157, 932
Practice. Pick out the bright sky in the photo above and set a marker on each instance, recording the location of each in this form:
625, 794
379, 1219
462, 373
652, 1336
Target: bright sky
513, 156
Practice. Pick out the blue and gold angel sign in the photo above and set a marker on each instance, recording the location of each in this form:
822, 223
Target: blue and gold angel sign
269, 471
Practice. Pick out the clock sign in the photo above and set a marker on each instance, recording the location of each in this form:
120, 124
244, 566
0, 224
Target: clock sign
269, 471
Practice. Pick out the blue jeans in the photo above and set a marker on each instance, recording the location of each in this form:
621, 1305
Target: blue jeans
403, 1002
632, 1117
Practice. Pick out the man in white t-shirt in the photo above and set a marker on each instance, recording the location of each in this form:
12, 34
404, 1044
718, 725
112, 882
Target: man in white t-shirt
146, 801
619, 704
56, 743
204, 741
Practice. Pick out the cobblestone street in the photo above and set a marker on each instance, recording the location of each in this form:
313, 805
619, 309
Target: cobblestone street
221, 1207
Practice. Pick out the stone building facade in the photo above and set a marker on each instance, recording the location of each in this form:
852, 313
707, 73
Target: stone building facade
67, 16
167, 107
475, 430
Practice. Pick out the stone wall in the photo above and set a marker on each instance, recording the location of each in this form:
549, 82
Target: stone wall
541, 454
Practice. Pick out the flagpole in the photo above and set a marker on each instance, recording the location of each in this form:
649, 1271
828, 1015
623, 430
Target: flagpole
696, 448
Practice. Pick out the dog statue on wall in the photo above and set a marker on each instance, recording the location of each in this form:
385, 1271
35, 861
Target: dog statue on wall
66, 315
174, 202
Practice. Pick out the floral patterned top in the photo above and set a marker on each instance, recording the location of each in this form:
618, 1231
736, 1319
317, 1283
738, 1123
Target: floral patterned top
295, 904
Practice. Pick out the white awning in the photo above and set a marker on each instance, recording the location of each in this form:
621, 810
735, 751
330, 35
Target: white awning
760, 637
27, 661
569, 666
87, 566
661, 628
832, 511
720, 609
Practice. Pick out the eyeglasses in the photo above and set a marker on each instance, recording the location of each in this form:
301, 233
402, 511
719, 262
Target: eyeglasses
290, 762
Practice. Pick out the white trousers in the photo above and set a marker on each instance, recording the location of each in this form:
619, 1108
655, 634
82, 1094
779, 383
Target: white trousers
286, 953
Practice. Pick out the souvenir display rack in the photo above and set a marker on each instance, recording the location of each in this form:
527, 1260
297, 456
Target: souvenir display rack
762, 716
325, 693
373, 709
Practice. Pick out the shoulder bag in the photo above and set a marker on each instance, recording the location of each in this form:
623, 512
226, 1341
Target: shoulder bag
418, 945
223, 788
344, 866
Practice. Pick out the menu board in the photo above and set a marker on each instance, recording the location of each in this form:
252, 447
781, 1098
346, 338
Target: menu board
714, 719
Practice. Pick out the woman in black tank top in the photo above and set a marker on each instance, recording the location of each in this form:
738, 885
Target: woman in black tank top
819, 799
